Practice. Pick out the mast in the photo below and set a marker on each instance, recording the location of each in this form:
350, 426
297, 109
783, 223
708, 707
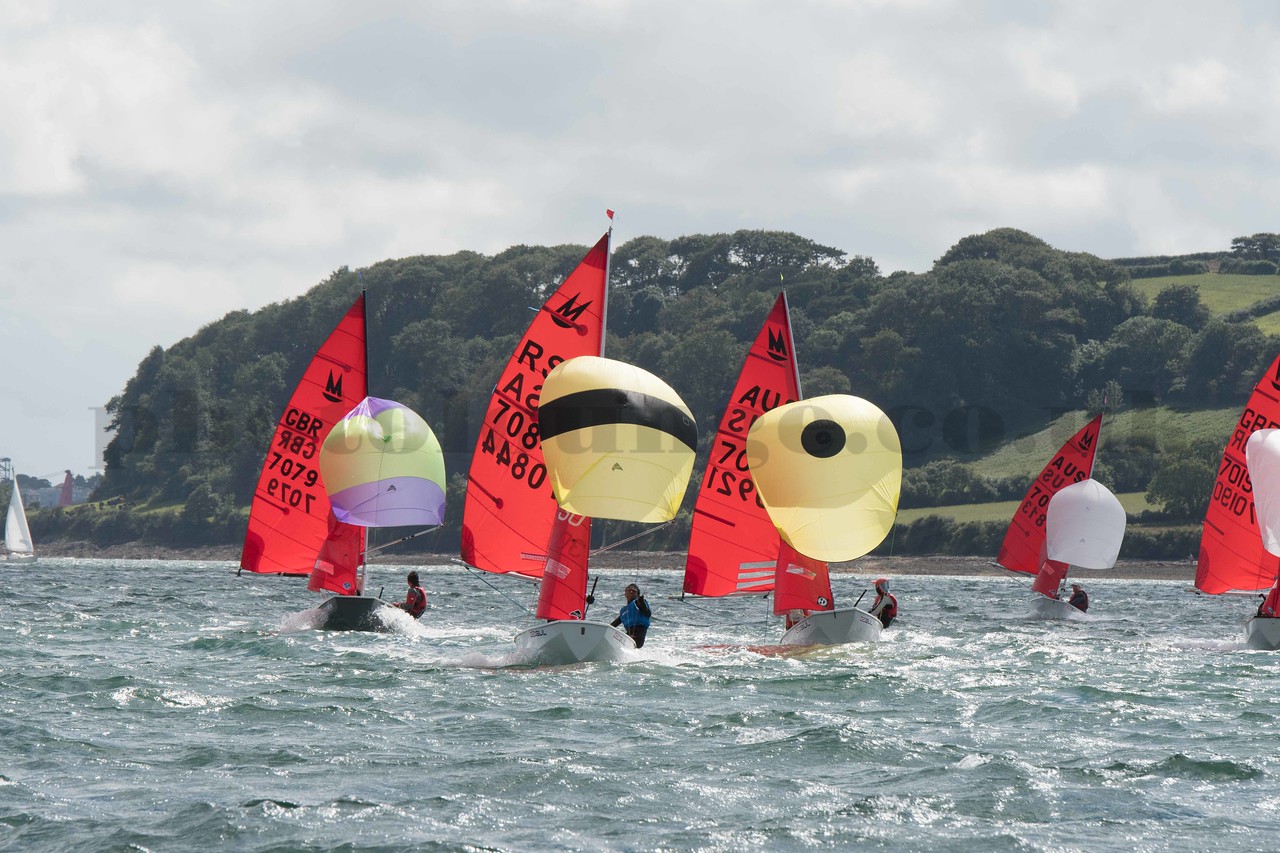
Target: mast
608, 260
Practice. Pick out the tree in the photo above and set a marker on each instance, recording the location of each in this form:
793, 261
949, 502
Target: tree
1183, 485
1262, 246
1181, 304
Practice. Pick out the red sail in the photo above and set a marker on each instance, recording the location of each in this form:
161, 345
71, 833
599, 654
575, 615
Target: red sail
563, 593
1231, 552
509, 511
733, 547
67, 496
337, 566
1023, 549
289, 518
803, 583
1050, 578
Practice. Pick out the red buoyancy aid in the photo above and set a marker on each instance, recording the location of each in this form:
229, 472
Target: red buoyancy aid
889, 611
416, 602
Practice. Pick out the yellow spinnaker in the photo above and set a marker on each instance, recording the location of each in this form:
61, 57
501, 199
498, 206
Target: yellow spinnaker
829, 471
618, 441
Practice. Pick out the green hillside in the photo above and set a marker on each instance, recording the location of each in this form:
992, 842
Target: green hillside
1002, 511
1221, 294
1025, 456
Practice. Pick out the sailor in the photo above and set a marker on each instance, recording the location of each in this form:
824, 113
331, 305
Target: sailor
415, 600
1079, 598
1270, 606
634, 615
886, 606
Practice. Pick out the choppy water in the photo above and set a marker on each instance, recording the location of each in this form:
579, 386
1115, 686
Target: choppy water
169, 705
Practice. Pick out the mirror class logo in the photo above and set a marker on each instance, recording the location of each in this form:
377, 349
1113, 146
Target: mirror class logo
333, 388
566, 316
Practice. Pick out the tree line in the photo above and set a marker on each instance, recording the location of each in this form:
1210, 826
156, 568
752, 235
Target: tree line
1001, 335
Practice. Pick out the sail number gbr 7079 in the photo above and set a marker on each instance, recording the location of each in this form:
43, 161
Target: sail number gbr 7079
293, 477
510, 440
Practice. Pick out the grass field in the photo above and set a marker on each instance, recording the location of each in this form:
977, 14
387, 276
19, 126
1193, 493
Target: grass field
1025, 456
1133, 502
1219, 293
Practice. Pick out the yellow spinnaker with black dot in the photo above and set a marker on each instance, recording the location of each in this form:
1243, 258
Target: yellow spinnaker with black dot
829, 472
618, 441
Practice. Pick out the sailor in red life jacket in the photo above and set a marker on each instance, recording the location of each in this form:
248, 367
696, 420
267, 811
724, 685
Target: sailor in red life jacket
1270, 606
1079, 598
886, 606
415, 600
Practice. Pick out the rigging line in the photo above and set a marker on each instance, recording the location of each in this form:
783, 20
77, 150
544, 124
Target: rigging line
602, 549
485, 580
689, 603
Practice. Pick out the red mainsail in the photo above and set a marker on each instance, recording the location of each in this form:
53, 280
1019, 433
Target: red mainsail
509, 510
1024, 542
803, 583
289, 517
1231, 553
563, 591
733, 547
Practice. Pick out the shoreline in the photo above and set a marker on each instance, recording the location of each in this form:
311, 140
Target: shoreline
921, 565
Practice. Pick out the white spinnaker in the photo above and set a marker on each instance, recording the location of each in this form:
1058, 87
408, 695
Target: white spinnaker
1085, 526
1262, 454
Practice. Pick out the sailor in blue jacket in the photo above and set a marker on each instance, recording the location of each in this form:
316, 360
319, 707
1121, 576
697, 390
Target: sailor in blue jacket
634, 615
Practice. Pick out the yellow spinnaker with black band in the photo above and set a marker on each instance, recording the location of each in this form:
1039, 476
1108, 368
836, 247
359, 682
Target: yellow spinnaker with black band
829, 472
618, 441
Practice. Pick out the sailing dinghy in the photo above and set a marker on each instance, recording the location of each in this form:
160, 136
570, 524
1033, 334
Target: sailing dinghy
829, 473
382, 466
292, 529
18, 547
619, 443
1084, 529
1025, 545
734, 547
511, 523
1236, 553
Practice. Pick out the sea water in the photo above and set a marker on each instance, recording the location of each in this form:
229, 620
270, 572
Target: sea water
174, 705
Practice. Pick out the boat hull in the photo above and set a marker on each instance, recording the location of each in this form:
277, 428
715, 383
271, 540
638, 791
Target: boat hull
1052, 608
352, 613
1262, 633
18, 559
573, 641
833, 628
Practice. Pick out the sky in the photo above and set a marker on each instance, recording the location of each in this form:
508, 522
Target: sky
162, 163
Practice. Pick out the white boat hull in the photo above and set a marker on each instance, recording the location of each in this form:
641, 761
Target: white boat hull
1053, 608
18, 559
573, 641
1262, 632
833, 628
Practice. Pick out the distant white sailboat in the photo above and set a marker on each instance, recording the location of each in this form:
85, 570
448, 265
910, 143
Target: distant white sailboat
17, 535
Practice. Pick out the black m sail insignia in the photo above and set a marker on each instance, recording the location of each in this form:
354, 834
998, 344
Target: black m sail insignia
333, 388
566, 316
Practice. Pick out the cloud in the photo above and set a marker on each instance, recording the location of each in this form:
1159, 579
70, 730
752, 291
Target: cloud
162, 164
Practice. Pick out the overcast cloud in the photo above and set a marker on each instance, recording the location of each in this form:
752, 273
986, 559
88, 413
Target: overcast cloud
164, 163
